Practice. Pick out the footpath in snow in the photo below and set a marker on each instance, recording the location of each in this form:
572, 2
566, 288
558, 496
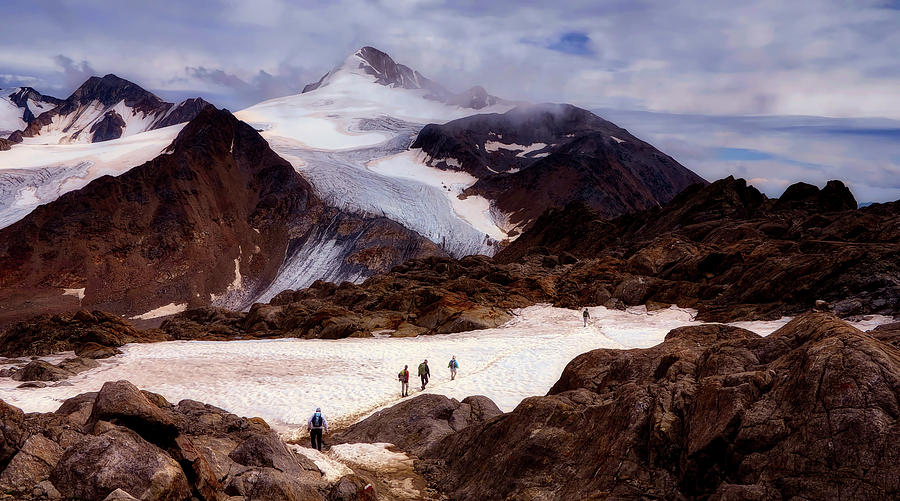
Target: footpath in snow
284, 380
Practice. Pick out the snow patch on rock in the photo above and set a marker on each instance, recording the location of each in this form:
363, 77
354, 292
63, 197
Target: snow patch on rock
162, 311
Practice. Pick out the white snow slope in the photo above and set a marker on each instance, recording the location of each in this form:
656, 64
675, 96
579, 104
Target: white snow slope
284, 380
35, 174
349, 138
10, 114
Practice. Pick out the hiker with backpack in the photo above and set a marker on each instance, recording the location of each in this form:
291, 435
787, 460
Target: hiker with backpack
316, 424
586, 316
424, 373
404, 381
453, 365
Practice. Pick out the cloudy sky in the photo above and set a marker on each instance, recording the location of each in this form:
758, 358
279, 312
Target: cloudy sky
725, 87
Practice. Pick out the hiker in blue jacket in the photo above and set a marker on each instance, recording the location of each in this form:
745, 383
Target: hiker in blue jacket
316, 424
453, 365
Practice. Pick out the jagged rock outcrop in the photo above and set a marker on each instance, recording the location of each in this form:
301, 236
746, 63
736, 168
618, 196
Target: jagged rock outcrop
732, 253
77, 332
713, 412
535, 157
19, 106
122, 443
108, 108
417, 424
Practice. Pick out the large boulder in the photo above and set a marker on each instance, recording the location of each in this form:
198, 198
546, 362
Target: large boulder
352, 488
268, 450
31, 465
12, 432
119, 459
270, 484
121, 403
713, 412
38, 370
415, 424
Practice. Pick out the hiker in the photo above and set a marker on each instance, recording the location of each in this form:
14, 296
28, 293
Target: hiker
453, 366
586, 316
424, 372
404, 381
315, 425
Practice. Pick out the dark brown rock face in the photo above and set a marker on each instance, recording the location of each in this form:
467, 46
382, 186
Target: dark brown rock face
713, 412
536, 157
122, 443
418, 423
109, 127
169, 230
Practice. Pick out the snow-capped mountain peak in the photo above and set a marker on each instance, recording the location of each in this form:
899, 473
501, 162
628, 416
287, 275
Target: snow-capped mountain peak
103, 108
378, 67
19, 106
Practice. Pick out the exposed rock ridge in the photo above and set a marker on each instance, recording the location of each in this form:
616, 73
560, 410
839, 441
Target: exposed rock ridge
714, 412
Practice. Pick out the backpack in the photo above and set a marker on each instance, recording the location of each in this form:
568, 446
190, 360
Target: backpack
454, 364
402, 376
317, 420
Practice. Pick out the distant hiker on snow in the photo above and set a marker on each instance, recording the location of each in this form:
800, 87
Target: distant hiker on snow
453, 365
424, 373
404, 381
315, 425
585, 315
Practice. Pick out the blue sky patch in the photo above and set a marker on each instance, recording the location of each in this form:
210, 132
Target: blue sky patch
572, 42
741, 154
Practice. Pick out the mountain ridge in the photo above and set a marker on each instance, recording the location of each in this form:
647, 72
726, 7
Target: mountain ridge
104, 108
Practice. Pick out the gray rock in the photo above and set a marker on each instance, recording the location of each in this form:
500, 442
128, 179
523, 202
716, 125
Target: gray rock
12, 432
31, 465
121, 403
119, 495
33, 384
119, 459
352, 488
415, 424
38, 370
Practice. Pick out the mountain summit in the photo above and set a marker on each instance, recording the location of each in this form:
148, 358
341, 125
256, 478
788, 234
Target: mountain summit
375, 63
105, 108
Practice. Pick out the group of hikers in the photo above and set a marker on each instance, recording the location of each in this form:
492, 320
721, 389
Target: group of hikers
424, 375
317, 425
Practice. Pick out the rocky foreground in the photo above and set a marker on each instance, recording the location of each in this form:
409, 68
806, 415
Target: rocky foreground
123, 443
715, 412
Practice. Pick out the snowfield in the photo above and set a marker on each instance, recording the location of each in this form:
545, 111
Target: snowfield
284, 380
